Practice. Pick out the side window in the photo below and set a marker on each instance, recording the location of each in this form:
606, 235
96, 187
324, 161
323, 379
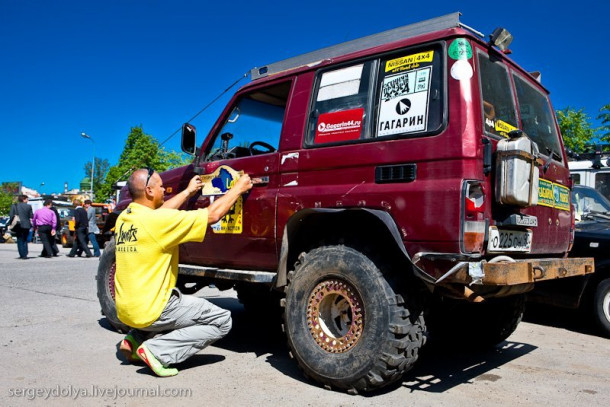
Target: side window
341, 110
398, 95
602, 183
537, 118
576, 179
254, 125
499, 113
410, 93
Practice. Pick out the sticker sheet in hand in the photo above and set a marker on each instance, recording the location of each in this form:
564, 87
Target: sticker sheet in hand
220, 181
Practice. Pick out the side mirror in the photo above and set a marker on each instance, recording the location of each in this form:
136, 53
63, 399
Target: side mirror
189, 139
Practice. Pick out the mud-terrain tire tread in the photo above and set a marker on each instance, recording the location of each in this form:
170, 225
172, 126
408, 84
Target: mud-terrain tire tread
103, 291
386, 357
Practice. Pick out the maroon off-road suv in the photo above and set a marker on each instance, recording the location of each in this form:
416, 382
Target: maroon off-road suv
414, 185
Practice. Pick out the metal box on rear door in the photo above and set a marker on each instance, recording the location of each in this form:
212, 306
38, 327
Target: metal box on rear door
516, 172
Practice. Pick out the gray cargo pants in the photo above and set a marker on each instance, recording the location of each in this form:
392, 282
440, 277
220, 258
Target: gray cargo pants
193, 322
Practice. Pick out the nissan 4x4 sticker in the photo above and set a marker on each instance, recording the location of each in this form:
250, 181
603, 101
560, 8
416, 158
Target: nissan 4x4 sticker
403, 105
408, 62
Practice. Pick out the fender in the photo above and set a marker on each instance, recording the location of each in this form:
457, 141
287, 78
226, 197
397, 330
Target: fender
374, 215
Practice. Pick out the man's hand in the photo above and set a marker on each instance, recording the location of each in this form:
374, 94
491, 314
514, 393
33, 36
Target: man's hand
195, 184
221, 206
52, 232
243, 184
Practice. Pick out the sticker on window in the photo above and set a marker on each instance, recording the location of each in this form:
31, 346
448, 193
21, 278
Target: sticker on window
409, 62
340, 83
403, 106
339, 126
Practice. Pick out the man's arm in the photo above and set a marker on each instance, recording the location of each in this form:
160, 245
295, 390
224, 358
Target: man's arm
221, 206
180, 198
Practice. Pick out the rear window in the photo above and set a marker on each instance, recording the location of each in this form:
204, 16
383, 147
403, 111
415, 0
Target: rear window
537, 118
397, 96
499, 113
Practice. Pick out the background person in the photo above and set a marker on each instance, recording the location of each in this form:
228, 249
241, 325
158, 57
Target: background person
45, 222
92, 228
80, 231
148, 233
57, 233
24, 211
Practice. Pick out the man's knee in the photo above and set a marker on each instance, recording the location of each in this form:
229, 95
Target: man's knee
225, 323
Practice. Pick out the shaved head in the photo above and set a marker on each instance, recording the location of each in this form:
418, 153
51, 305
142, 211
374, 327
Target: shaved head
137, 183
146, 188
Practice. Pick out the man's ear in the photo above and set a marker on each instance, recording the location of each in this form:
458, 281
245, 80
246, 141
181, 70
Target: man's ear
148, 192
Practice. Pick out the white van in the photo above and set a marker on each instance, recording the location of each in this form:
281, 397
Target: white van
592, 173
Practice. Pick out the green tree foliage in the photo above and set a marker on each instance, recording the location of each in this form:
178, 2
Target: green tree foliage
100, 170
6, 200
575, 128
604, 116
141, 150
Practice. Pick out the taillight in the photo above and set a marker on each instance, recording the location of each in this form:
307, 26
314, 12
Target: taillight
474, 225
572, 227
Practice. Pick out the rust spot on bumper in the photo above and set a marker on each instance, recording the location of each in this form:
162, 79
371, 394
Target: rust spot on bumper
528, 271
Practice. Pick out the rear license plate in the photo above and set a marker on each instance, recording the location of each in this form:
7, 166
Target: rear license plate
506, 240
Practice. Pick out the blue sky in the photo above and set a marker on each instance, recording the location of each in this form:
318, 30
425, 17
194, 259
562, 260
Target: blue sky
101, 67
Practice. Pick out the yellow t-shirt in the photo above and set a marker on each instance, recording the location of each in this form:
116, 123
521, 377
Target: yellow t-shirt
147, 258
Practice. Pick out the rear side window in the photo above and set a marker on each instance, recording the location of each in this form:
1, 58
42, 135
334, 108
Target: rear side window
400, 95
410, 96
499, 113
342, 107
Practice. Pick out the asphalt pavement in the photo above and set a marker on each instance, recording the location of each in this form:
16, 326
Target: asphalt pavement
57, 349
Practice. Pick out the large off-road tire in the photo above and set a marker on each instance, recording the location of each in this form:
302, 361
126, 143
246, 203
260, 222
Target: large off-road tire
105, 287
475, 325
601, 306
346, 326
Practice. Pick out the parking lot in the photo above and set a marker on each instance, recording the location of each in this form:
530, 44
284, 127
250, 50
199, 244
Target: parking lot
56, 347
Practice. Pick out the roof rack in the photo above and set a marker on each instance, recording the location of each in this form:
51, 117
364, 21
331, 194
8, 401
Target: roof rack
435, 24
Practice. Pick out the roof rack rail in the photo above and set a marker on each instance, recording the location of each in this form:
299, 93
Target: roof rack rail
435, 24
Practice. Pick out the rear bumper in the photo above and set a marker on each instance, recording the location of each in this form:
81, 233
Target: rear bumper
518, 272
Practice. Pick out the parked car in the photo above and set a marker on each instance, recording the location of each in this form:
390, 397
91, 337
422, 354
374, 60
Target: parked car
4, 224
589, 293
102, 211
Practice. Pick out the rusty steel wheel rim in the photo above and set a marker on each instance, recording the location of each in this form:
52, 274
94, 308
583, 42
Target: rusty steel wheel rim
335, 315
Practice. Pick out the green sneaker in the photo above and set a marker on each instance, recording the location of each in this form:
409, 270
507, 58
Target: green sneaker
154, 364
128, 348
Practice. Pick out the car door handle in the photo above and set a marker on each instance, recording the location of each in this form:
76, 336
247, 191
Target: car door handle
260, 180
